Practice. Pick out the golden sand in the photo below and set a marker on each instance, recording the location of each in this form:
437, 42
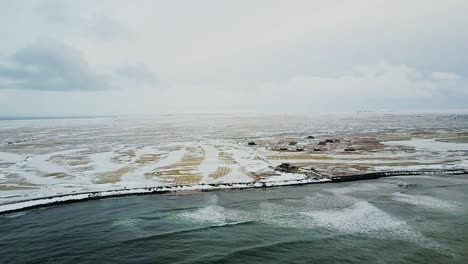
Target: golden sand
4, 187
187, 179
149, 158
15, 182
123, 156
254, 176
220, 172
299, 157
182, 171
58, 175
226, 158
114, 176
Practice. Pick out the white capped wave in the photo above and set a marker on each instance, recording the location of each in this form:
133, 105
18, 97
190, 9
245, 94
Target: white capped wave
129, 223
359, 218
344, 215
327, 202
341, 214
214, 214
365, 219
424, 201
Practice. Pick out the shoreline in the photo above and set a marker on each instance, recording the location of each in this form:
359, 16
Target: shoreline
86, 196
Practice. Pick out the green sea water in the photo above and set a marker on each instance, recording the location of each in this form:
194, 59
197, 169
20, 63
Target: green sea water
417, 219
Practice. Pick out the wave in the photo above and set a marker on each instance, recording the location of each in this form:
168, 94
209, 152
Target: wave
424, 201
337, 213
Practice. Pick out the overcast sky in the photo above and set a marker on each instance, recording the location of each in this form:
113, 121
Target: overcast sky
111, 57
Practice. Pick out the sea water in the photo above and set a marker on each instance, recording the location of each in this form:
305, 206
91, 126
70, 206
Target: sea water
392, 220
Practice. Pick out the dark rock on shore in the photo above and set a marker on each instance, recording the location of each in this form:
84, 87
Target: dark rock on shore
252, 143
322, 143
310, 137
286, 167
349, 149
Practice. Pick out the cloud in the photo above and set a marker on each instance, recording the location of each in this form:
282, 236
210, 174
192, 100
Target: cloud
51, 66
379, 85
281, 55
88, 21
445, 76
55, 66
134, 75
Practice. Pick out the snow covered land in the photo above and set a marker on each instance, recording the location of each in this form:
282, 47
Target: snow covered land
116, 156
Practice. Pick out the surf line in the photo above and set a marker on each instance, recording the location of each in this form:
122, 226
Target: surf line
86, 196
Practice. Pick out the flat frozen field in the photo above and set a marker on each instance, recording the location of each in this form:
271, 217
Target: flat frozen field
40, 158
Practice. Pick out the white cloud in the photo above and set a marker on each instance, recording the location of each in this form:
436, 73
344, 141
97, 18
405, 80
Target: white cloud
378, 81
445, 76
266, 55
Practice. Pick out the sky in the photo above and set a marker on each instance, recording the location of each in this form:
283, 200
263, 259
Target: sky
144, 57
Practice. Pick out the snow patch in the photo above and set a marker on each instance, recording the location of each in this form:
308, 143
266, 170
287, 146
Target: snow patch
234, 176
429, 144
209, 164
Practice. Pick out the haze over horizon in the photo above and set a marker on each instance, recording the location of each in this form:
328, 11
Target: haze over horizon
71, 58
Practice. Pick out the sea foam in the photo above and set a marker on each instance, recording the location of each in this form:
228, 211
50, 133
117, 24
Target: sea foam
214, 214
424, 201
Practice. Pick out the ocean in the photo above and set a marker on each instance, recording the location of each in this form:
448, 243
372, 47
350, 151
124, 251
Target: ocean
406, 219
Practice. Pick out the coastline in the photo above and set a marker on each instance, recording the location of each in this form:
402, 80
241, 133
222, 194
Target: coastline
86, 196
